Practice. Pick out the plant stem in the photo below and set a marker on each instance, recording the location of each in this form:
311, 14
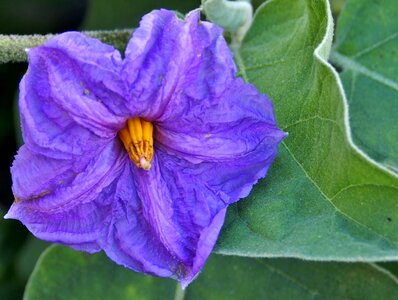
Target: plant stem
179, 293
12, 47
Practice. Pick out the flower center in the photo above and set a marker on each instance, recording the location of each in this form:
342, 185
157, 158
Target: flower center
137, 138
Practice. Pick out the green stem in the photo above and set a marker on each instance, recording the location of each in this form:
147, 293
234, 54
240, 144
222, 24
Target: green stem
179, 293
12, 47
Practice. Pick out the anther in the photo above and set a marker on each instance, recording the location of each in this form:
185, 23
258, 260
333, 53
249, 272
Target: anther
137, 138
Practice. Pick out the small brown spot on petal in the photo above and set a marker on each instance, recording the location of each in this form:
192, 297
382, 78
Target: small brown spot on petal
42, 194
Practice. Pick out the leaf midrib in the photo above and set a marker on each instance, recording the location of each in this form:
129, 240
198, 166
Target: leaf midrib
349, 63
330, 200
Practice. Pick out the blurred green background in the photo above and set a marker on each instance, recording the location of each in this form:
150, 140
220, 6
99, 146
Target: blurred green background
18, 249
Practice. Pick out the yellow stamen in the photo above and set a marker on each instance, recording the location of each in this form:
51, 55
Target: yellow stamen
137, 138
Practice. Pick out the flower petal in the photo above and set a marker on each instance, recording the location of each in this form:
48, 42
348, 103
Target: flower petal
66, 205
231, 140
131, 240
71, 95
218, 132
167, 55
180, 214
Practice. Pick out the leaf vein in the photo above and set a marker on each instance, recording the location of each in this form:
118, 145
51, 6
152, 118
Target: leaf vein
310, 119
289, 277
360, 185
329, 199
350, 64
376, 45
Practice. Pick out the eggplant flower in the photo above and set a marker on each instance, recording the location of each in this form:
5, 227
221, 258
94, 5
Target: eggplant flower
139, 156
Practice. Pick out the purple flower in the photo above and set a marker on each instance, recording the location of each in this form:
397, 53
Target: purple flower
140, 156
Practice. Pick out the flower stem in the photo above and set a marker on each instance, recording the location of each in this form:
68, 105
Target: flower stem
179, 293
12, 47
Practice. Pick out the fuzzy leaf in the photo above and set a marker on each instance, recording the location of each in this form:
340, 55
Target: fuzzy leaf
366, 49
62, 273
323, 199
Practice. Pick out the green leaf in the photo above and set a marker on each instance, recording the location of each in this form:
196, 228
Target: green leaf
366, 49
322, 199
62, 273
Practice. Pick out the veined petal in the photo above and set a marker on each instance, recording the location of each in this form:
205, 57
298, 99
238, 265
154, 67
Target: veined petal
231, 140
172, 228
167, 56
206, 242
66, 205
71, 95
131, 240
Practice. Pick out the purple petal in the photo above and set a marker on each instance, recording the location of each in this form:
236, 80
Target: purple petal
66, 205
205, 245
167, 56
231, 139
131, 240
181, 209
169, 225
69, 95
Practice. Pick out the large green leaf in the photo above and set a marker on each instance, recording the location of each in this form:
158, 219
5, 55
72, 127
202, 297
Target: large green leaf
322, 198
367, 50
62, 273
